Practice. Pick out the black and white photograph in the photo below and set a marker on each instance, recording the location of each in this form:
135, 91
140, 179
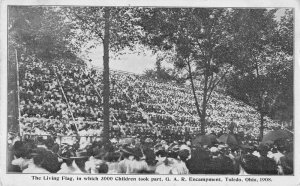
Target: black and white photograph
150, 90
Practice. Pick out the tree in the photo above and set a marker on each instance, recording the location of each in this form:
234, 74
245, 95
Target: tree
106, 74
108, 26
37, 31
162, 73
283, 40
264, 62
283, 36
200, 40
40, 31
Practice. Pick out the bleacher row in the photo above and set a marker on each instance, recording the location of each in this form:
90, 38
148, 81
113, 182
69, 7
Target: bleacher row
62, 91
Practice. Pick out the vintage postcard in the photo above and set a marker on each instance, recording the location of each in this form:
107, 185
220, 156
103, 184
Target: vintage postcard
170, 93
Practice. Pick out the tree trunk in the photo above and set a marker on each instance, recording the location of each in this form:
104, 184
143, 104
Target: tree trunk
193, 89
204, 103
106, 76
260, 104
261, 125
13, 92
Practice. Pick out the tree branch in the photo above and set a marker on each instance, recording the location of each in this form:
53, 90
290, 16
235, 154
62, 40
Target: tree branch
216, 83
99, 34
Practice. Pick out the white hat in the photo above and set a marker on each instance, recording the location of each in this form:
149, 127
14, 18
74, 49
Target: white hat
184, 147
222, 146
214, 149
114, 140
188, 143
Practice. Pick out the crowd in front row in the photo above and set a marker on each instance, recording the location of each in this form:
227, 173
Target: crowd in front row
136, 156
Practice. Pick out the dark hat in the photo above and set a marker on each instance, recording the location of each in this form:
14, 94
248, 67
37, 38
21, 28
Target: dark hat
250, 163
99, 153
150, 157
111, 156
17, 145
184, 154
137, 152
39, 151
263, 148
